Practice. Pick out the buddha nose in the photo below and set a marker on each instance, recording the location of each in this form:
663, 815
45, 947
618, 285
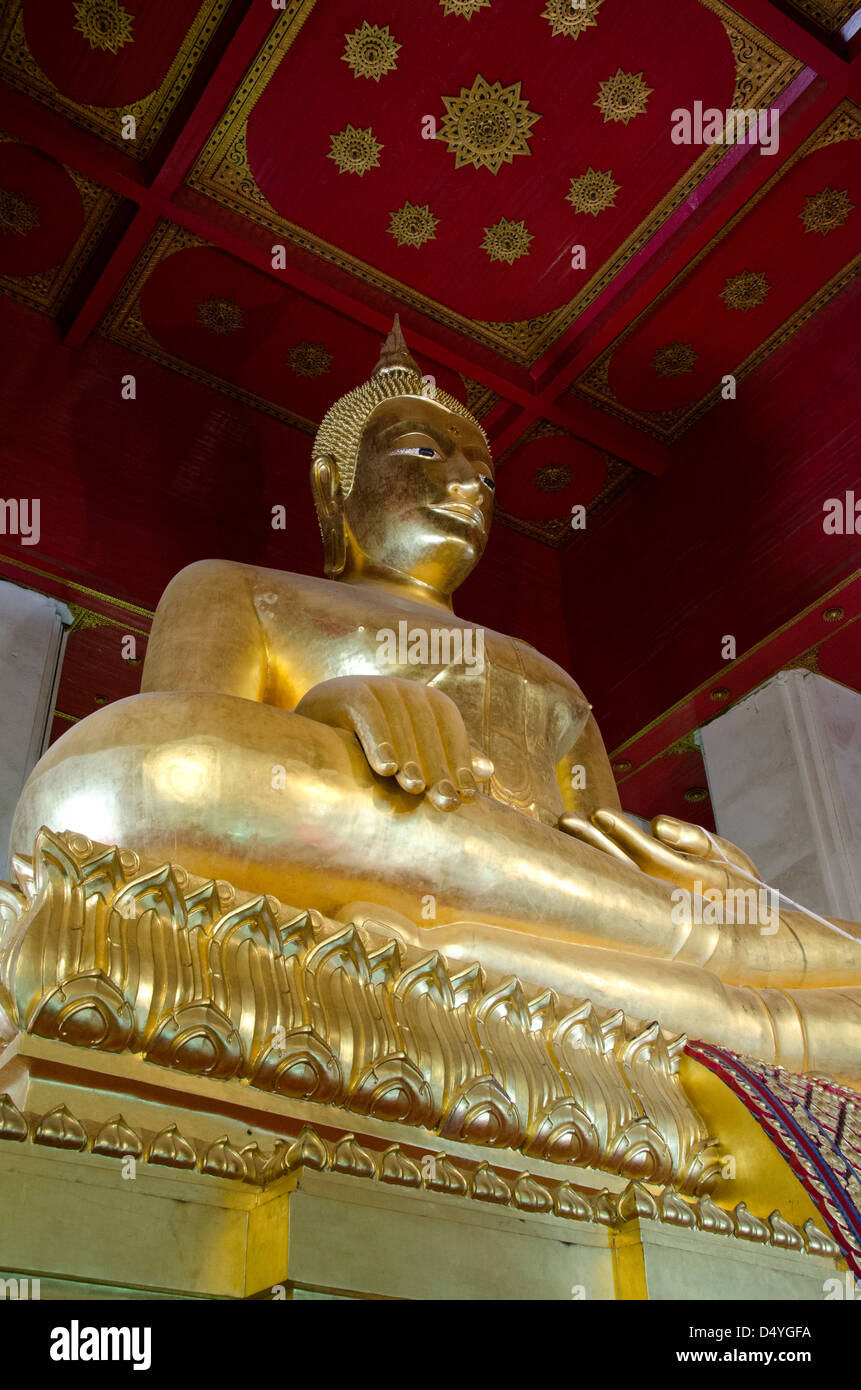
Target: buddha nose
465, 489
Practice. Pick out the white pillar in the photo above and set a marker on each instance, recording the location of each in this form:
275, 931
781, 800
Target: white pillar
784, 773
33, 632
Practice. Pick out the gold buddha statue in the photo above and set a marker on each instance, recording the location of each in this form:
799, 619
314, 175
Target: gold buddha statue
349, 744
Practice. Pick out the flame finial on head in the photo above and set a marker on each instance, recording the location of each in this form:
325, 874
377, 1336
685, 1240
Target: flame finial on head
395, 355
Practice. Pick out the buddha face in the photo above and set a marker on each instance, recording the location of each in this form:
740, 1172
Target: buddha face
422, 496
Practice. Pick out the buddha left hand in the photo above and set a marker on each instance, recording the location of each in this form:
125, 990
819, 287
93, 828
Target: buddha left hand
676, 851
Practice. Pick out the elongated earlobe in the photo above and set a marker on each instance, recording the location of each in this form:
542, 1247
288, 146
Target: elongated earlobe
329, 502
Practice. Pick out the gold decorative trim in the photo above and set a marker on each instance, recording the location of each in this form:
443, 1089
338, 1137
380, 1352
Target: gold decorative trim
48, 289
843, 123
20, 70
78, 588
237, 1160
831, 14
763, 70
91, 951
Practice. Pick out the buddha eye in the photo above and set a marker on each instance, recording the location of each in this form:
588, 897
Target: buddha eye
488, 482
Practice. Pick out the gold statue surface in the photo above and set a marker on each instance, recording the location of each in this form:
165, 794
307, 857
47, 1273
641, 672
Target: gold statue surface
349, 744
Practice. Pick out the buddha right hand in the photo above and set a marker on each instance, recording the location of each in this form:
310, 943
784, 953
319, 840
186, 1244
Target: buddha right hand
407, 730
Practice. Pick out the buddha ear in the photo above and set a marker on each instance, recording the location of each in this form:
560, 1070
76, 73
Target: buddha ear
329, 501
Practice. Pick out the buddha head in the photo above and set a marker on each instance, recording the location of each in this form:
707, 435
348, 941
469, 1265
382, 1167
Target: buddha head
402, 478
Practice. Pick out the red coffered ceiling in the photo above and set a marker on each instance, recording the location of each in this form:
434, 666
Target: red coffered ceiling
503, 173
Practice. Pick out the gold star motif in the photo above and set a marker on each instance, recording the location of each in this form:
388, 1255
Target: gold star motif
675, 359
371, 51
487, 125
553, 477
355, 151
104, 24
17, 213
465, 8
506, 241
623, 96
825, 211
745, 291
309, 359
571, 17
220, 315
412, 225
594, 191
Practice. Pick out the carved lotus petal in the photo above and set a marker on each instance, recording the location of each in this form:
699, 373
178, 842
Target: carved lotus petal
255, 1162
170, 1148
394, 1090
637, 1203
446, 1178
221, 1160
350, 1157
484, 1114
606, 1208
530, 1195
711, 1217
488, 1186
60, 1130
570, 1203
308, 1151
566, 1135
748, 1226
116, 1140
395, 1167
783, 1233
675, 1211
12, 1123
819, 1242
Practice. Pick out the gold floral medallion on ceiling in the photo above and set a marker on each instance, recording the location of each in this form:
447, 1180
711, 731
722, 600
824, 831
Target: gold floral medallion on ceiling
104, 24
413, 225
623, 96
825, 211
221, 316
675, 359
355, 151
487, 125
309, 359
17, 214
506, 241
571, 17
371, 51
745, 291
553, 477
595, 191
464, 8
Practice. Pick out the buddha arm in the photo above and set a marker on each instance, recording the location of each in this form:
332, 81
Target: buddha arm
206, 635
590, 755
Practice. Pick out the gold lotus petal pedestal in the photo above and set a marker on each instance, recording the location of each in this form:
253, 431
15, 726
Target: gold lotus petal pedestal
207, 1094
